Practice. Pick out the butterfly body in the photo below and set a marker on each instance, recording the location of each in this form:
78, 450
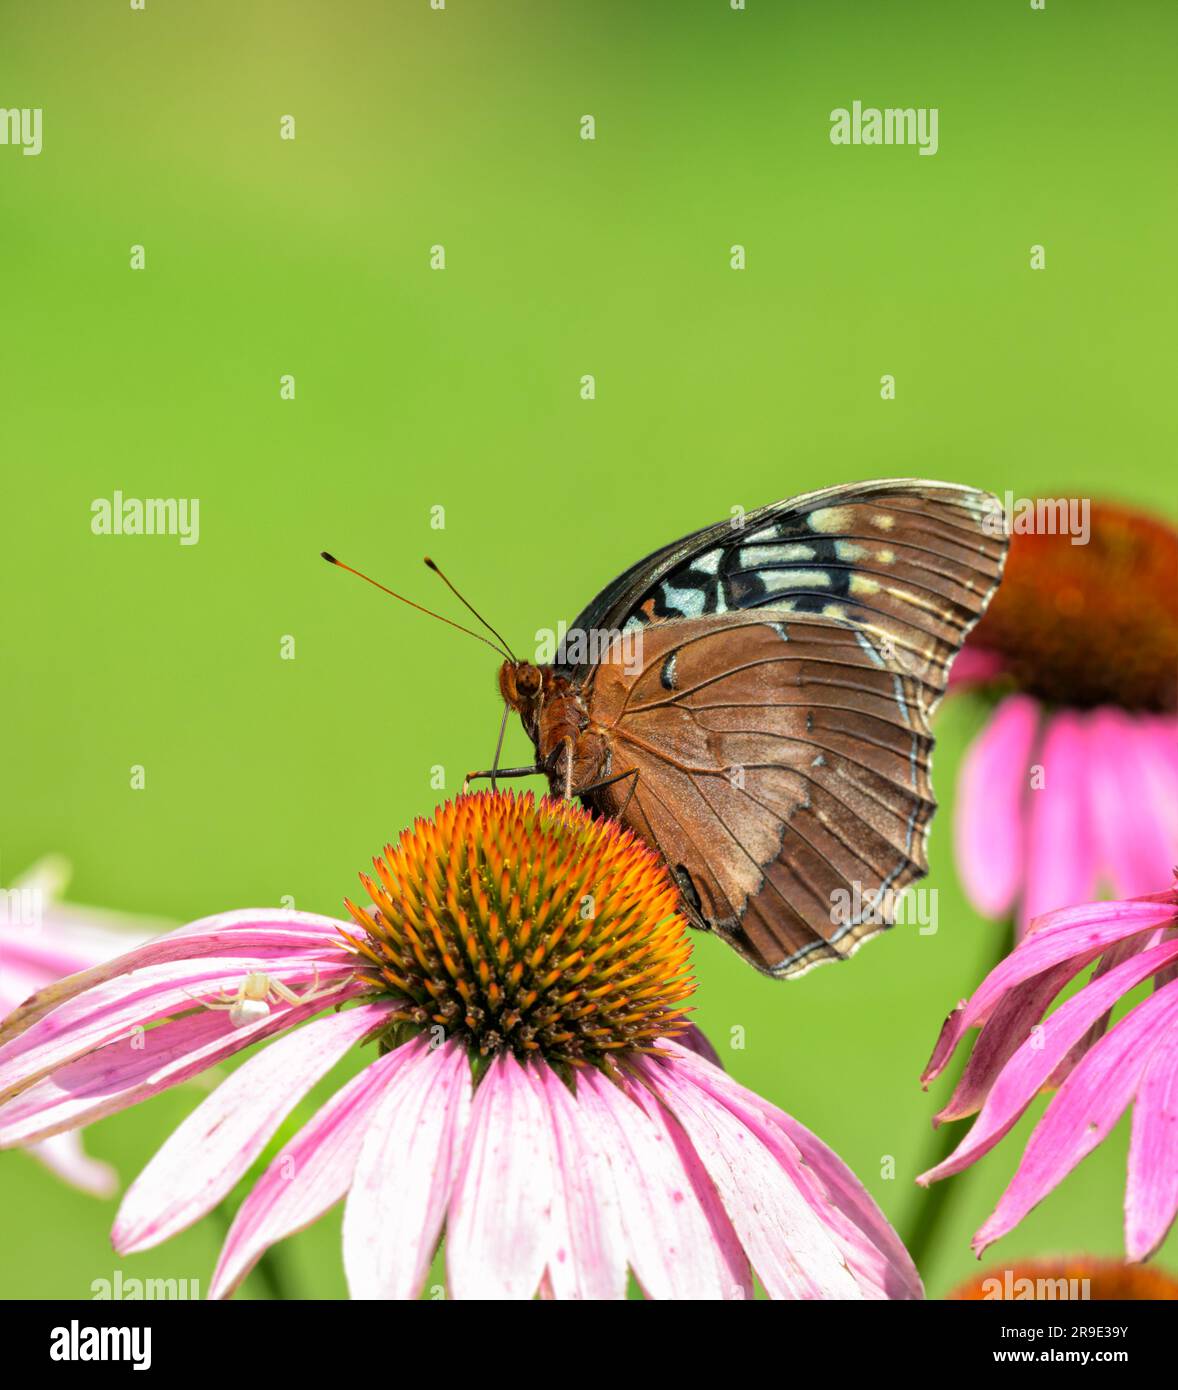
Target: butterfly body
758, 708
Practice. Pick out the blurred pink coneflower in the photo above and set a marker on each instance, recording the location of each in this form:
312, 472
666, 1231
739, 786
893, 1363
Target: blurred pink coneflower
1073, 784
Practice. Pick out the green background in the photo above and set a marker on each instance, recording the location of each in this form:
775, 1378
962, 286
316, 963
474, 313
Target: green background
461, 389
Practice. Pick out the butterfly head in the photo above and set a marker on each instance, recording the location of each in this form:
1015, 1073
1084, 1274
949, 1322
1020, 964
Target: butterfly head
521, 684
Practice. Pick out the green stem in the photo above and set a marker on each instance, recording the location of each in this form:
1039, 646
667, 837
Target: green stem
271, 1268
934, 1205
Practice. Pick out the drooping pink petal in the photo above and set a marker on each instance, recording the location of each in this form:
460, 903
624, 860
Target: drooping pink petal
679, 1241
65, 1157
790, 1248
694, 1040
110, 1011
1060, 850
1030, 1067
308, 1175
1134, 845
1081, 932
874, 1251
588, 1255
990, 821
499, 1227
405, 1173
202, 1160
259, 933
135, 1067
1151, 1194
1081, 1115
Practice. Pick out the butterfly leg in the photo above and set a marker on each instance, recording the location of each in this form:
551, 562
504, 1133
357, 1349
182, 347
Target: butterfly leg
609, 781
501, 772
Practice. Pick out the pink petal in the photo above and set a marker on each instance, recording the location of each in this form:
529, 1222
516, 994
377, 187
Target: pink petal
499, 1229
262, 933
133, 1068
1080, 932
874, 1251
202, 1160
405, 1173
992, 790
65, 1157
310, 1173
588, 1258
109, 1011
1060, 850
790, 1248
694, 1040
1151, 1194
680, 1244
1133, 843
974, 666
1081, 1115
1037, 1058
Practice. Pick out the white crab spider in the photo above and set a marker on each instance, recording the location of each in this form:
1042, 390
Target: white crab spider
258, 991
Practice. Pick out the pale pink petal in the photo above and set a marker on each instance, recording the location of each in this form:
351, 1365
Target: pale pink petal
1060, 848
1151, 1195
990, 820
588, 1258
1078, 932
202, 1160
133, 1068
405, 1173
260, 933
499, 1228
1037, 1058
109, 1011
1081, 1115
874, 1251
680, 1243
65, 1157
790, 1248
1135, 849
308, 1175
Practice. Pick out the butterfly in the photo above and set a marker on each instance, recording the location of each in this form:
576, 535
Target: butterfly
753, 701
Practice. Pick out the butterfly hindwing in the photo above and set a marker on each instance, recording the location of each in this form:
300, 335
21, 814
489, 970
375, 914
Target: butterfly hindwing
772, 740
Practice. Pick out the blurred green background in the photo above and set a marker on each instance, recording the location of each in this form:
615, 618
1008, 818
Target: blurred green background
460, 389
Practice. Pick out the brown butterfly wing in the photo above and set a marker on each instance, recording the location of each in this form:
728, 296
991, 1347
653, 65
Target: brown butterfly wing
782, 765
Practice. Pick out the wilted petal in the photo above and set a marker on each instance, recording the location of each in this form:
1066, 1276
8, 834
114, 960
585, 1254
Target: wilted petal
1081, 1115
405, 1173
992, 790
202, 1160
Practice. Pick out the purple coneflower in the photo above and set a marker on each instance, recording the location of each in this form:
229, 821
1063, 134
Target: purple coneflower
1073, 784
43, 938
535, 1091
1095, 1073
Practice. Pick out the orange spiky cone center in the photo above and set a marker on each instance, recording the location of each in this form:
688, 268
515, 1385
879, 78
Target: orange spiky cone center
1082, 1276
530, 927
1093, 624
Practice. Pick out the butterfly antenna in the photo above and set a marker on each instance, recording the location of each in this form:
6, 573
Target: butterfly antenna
463, 601
339, 564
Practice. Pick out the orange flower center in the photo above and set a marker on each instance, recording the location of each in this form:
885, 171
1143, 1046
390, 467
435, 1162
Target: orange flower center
1092, 624
524, 926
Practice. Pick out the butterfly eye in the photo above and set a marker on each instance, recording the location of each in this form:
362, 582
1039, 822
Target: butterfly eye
528, 680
